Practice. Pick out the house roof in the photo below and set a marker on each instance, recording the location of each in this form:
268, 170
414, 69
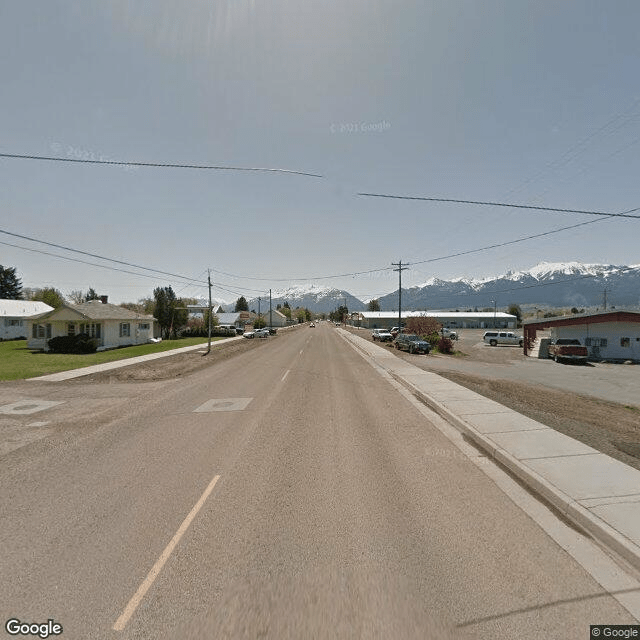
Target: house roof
22, 308
228, 318
201, 308
96, 310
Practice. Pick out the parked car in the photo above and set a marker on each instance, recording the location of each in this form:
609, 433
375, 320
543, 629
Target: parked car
249, 334
381, 334
412, 343
494, 338
448, 333
568, 349
226, 329
394, 331
261, 333
239, 331
312, 324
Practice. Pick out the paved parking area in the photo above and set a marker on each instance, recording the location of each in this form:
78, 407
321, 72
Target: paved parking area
613, 382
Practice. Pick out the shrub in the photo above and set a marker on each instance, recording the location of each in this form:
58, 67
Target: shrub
445, 345
81, 343
422, 325
433, 338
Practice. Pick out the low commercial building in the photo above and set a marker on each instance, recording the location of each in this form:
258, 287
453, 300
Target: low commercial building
608, 335
451, 319
14, 315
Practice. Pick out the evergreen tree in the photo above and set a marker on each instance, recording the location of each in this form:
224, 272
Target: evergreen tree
91, 295
374, 305
241, 304
10, 284
165, 308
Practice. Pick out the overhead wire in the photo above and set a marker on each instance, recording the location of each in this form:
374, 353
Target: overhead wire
499, 204
162, 165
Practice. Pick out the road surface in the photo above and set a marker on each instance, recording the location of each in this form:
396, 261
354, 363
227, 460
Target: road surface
288, 492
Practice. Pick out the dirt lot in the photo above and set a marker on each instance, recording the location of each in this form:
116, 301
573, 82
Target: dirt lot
610, 427
173, 367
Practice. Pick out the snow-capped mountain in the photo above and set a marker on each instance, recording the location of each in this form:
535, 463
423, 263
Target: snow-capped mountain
562, 284
319, 299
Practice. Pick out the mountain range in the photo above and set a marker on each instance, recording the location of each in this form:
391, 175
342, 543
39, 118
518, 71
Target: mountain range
567, 284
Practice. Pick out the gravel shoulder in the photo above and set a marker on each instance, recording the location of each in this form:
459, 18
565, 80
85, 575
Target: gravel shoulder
610, 427
176, 366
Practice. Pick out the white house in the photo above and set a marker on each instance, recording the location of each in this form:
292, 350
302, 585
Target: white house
111, 325
274, 318
14, 314
451, 319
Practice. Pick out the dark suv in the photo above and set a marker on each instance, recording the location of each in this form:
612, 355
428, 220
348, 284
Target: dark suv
412, 343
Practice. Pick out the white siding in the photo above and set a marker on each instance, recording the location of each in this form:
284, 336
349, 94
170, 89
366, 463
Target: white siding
12, 328
613, 332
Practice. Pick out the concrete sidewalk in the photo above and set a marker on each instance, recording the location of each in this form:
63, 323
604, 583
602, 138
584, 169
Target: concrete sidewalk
107, 366
600, 494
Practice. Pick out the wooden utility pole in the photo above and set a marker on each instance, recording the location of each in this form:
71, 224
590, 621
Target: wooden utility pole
210, 312
400, 269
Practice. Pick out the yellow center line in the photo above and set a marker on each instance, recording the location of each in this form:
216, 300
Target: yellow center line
121, 622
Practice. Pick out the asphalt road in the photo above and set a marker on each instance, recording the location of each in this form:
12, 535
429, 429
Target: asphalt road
316, 502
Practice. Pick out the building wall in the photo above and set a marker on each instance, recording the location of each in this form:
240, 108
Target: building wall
110, 332
453, 322
623, 339
12, 328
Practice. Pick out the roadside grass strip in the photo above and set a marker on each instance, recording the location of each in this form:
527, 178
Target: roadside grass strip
17, 362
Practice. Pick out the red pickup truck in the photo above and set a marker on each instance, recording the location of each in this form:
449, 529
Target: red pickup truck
568, 349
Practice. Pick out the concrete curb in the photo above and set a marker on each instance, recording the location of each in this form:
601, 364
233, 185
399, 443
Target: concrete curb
598, 528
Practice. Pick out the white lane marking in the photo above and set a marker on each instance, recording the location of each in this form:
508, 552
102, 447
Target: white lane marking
129, 610
616, 580
301, 350
26, 407
223, 404
286, 373
40, 423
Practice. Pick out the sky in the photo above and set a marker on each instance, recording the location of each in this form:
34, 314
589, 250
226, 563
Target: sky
516, 101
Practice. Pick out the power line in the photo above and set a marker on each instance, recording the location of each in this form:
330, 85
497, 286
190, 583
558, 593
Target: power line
508, 242
500, 204
95, 255
93, 264
163, 165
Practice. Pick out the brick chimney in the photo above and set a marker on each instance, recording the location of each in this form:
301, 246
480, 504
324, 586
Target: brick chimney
104, 299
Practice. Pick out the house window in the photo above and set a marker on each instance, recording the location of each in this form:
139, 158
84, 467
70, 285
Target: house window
12, 322
41, 331
143, 326
71, 329
125, 329
595, 342
92, 330
625, 342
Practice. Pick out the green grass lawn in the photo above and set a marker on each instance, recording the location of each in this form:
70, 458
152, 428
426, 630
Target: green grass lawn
18, 362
